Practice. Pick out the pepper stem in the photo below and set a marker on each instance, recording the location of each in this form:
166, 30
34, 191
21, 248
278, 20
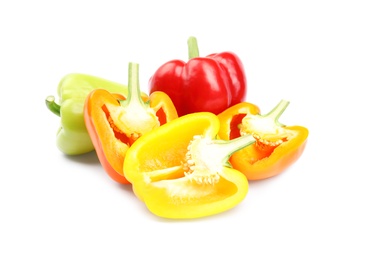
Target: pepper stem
225, 148
205, 153
193, 47
277, 111
53, 106
134, 91
134, 117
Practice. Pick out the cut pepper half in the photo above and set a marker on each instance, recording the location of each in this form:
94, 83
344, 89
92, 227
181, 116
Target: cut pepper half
180, 170
277, 146
114, 124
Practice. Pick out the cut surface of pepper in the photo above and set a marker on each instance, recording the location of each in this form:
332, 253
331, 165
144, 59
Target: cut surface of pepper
277, 146
181, 170
114, 124
72, 136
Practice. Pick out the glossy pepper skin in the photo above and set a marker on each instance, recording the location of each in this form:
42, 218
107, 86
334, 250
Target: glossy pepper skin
203, 84
115, 123
180, 170
277, 146
72, 136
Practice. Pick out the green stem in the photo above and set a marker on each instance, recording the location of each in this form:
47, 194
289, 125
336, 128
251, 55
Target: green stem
227, 148
277, 111
53, 106
134, 91
213, 154
193, 47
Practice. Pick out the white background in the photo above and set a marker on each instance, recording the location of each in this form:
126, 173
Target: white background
309, 52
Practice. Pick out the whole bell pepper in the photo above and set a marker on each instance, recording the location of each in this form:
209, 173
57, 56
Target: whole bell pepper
212, 83
115, 123
277, 146
72, 136
180, 170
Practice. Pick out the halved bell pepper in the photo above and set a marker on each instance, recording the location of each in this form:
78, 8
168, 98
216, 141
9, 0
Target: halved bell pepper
180, 170
115, 123
277, 146
72, 136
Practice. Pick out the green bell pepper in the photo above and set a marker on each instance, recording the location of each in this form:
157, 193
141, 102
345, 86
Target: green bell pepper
72, 136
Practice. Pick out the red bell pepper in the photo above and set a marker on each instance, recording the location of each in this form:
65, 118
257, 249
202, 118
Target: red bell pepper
203, 84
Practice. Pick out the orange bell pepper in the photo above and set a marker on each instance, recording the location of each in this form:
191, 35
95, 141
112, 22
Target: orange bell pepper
277, 146
115, 123
180, 170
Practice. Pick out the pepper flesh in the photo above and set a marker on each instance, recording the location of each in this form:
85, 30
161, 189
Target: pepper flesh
114, 124
181, 170
203, 84
277, 146
72, 136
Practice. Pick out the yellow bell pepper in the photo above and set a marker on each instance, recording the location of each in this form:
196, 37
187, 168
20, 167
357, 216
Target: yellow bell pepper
180, 170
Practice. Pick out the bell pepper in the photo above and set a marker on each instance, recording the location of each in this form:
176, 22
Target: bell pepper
115, 123
212, 83
277, 145
181, 170
72, 136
